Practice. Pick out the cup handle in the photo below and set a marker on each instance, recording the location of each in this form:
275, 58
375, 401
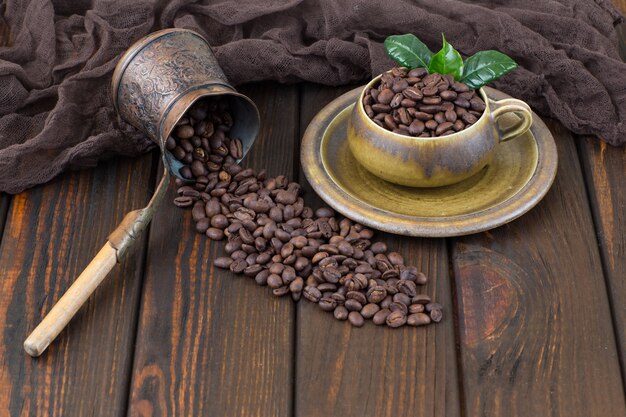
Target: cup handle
511, 105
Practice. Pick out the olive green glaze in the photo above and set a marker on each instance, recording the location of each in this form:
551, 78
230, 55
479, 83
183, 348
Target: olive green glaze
433, 162
519, 175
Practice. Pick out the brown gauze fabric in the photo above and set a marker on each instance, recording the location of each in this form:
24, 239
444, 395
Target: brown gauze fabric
55, 106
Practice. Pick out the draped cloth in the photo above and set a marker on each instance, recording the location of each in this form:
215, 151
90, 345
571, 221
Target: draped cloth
56, 67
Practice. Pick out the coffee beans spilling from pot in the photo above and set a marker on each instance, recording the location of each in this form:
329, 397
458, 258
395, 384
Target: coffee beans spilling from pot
415, 103
273, 238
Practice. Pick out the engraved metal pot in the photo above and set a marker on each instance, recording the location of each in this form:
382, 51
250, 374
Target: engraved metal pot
163, 74
154, 84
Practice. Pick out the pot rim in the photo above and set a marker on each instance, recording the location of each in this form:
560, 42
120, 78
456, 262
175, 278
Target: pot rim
128, 56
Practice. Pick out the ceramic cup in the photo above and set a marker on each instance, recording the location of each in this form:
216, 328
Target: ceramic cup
438, 161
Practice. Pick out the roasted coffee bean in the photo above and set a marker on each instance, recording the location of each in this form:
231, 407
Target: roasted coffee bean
223, 262
219, 221
378, 247
385, 96
369, 310
261, 277
381, 316
390, 122
356, 295
429, 91
433, 306
462, 102
379, 108
440, 117
396, 100
296, 285
420, 115
469, 118
417, 72
402, 298
202, 225
408, 273
443, 127
416, 308
407, 287
421, 299
417, 319
197, 213
341, 313
215, 234
184, 131
448, 95
274, 281
404, 116
331, 274
431, 124
431, 100
413, 93
436, 315
459, 87
252, 270
312, 294
356, 319
281, 291
450, 116
183, 201
327, 304
376, 294
477, 104
397, 306
458, 125
238, 266
396, 319
324, 212
416, 127
353, 305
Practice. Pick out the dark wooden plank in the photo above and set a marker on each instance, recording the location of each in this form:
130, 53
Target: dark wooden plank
534, 322
5, 200
375, 371
605, 169
209, 342
51, 234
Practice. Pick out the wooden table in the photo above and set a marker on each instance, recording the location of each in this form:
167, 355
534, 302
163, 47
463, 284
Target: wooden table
535, 311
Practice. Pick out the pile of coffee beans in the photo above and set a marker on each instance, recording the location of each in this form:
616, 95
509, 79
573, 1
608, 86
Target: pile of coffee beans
275, 239
415, 103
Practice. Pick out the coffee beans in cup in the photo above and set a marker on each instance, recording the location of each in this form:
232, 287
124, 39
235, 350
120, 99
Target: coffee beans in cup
416, 103
271, 236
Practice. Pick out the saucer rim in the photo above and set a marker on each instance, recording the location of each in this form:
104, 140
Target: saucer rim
499, 214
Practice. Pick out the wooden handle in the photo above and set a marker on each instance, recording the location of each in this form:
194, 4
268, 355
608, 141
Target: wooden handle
72, 301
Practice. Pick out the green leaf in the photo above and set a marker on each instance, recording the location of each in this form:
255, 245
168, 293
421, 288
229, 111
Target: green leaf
408, 51
485, 66
447, 61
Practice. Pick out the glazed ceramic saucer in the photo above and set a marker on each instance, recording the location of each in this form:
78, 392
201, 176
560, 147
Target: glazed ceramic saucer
520, 174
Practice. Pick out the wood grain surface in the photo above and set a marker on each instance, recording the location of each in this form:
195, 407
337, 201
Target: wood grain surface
535, 326
211, 343
51, 234
605, 172
5, 200
535, 316
376, 371
604, 169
